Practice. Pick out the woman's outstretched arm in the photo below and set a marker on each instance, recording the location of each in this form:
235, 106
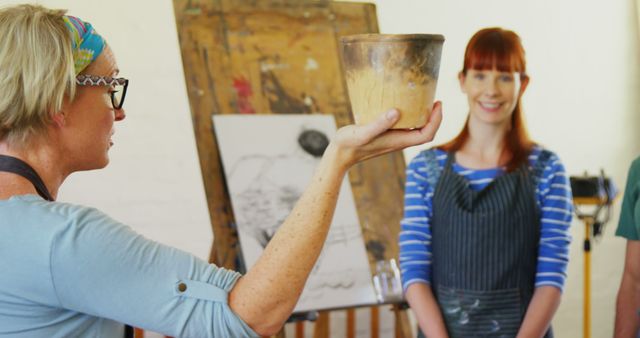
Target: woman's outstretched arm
265, 297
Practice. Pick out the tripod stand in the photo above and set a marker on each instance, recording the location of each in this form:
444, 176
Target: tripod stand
596, 194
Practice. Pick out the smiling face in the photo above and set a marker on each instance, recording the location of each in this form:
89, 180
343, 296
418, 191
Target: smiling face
87, 123
494, 77
492, 94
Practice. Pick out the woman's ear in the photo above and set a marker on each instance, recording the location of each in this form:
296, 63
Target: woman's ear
59, 119
461, 79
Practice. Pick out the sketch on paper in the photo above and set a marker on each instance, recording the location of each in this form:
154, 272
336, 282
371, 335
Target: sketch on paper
268, 161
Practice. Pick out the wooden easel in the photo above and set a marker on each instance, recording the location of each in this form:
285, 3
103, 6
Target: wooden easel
281, 57
402, 327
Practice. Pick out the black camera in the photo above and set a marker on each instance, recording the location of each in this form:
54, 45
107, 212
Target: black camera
597, 192
590, 189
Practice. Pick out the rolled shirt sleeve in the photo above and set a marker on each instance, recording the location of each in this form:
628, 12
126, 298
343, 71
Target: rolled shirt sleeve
103, 268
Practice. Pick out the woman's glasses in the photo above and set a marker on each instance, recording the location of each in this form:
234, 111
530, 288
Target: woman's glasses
118, 87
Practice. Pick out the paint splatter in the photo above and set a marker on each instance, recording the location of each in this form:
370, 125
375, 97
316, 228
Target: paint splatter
281, 102
376, 248
244, 93
311, 64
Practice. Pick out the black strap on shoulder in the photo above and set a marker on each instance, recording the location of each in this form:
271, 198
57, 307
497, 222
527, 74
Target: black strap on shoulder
19, 167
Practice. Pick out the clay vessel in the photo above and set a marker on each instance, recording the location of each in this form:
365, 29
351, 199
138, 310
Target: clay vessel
385, 71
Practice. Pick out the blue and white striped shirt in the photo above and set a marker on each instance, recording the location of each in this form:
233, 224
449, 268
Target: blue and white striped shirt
553, 197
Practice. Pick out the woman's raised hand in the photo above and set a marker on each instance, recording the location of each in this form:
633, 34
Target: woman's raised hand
355, 143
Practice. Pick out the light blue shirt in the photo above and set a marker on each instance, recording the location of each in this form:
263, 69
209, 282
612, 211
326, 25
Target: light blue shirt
71, 271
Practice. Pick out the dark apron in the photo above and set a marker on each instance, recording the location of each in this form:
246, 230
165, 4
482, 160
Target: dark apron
21, 168
485, 251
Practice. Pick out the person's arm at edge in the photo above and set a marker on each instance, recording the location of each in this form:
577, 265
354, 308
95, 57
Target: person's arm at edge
543, 306
426, 309
627, 321
265, 297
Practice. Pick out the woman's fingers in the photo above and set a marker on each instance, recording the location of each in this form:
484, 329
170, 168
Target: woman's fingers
379, 126
399, 139
404, 138
430, 129
376, 138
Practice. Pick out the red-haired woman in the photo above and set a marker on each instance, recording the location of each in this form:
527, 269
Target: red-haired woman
485, 235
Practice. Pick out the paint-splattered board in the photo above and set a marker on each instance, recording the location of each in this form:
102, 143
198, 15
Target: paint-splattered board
279, 57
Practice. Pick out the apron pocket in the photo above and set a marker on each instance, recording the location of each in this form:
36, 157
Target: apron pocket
470, 313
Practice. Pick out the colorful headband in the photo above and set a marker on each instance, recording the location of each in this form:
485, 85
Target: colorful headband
86, 43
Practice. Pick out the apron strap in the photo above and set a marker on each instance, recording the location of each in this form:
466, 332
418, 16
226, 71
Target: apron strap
538, 168
21, 168
432, 167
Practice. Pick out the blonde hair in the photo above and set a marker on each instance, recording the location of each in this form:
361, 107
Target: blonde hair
36, 70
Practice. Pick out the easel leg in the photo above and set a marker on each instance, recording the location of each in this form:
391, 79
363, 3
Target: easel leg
300, 329
403, 324
321, 329
351, 323
375, 322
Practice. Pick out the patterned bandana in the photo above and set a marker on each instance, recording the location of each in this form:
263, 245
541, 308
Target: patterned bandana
87, 44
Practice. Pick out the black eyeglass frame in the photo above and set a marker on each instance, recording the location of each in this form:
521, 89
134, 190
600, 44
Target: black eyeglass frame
94, 80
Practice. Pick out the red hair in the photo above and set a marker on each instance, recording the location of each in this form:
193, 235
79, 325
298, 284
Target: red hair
497, 48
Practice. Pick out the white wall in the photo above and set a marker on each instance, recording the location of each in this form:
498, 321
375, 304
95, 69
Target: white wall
582, 58
582, 103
